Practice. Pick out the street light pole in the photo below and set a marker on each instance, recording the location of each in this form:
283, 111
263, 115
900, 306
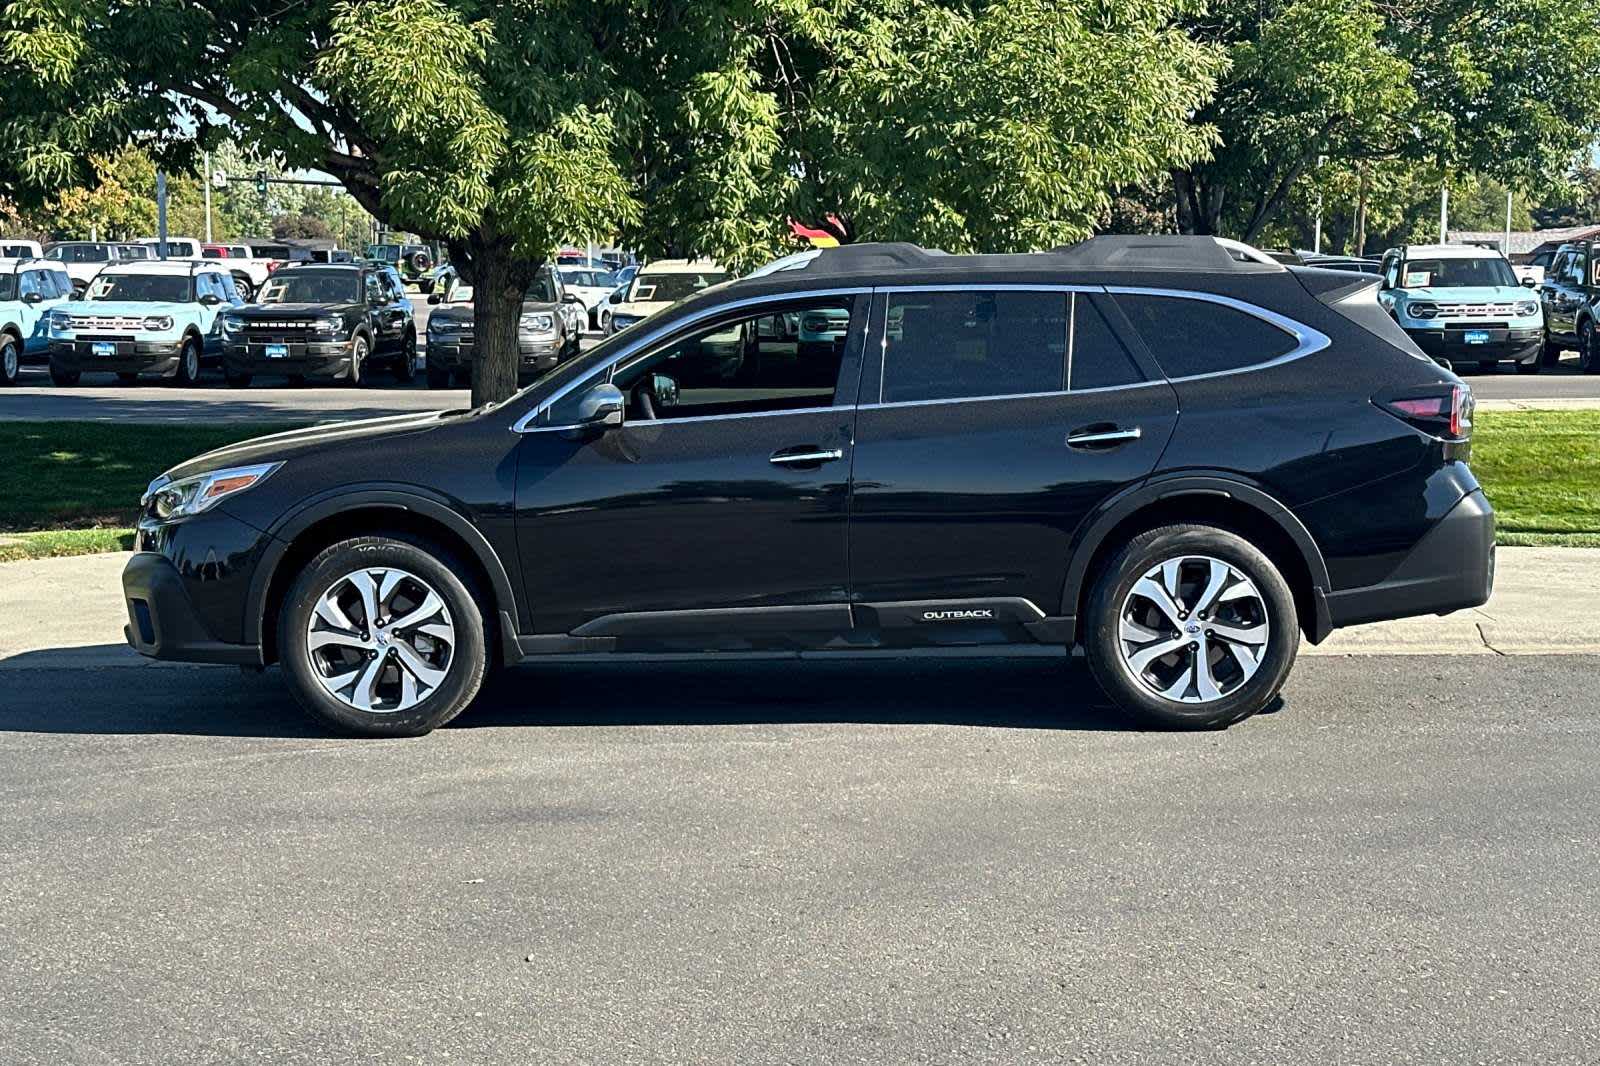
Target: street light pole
1505, 247
206, 184
161, 213
1444, 214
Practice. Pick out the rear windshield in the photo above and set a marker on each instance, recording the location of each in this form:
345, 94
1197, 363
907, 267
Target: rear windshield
1456, 273
313, 287
143, 288
671, 287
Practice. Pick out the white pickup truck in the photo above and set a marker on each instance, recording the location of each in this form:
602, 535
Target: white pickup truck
250, 262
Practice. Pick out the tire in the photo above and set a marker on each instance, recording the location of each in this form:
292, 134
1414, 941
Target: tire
63, 377
1265, 608
312, 675
1588, 349
405, 367
128, 377
237, 379
10, 359
296, 380
188, 371
247, 291
463, 378
358, 359
1551, 355
1531, 367
438, 378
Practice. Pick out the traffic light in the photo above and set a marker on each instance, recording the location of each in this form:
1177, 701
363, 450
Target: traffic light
261, 182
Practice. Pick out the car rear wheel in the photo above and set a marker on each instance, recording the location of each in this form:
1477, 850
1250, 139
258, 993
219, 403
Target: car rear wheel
238, 379
1588, 349
438, 378
1191, 626
188, 371
10, 359
1551, 354
381, 636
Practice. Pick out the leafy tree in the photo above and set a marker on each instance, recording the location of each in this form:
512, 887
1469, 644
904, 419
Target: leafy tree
1511, 91
301, 226
505, 129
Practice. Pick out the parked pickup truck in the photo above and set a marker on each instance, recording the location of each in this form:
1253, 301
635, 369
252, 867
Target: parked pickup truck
82, 260
251, 262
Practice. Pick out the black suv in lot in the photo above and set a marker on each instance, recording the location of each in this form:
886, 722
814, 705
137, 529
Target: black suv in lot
1173, 452
323, 320
1570, 293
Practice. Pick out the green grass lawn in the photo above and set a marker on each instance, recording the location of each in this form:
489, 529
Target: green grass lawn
72, 487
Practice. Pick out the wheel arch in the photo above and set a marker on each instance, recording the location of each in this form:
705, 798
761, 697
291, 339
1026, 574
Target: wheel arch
1213, 499
298, 537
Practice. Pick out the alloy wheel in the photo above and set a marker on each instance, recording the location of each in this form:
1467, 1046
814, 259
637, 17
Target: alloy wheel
1193, 629
381, 640
9, 365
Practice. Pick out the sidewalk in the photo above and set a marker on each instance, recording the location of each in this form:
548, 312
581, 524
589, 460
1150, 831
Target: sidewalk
69, 612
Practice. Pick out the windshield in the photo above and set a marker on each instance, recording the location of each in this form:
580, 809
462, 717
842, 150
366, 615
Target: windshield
312, 287
143, 288
461, 294
669, 288
543, 289
595, 278
1456, 273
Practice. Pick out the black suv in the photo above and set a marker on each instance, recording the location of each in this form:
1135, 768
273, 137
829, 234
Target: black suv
1170, 451
323, 320
1571, 296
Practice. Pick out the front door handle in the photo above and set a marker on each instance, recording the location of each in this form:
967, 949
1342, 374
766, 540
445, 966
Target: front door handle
1104, 436
807, 455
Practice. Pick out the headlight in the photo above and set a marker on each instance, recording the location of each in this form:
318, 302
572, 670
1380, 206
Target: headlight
441, 327
157, 323
620, 322
60, 321
1422, 310
328, 324
1527, 309
539, 322
232, 323
191, 495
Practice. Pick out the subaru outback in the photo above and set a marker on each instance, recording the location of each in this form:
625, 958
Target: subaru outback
1171, 452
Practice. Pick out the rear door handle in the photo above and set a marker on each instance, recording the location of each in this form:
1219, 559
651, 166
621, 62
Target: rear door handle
806, 455
1102, 436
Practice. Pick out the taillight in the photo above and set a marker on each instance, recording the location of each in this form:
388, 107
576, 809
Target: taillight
1443, 410
272, 265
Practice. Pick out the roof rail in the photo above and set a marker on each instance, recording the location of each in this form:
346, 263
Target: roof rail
1164, 251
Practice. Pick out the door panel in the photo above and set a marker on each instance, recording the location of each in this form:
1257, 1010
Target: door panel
682, 515
981, 499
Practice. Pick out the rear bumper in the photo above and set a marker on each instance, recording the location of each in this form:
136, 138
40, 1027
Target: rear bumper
1514, 345
1451, 568
163, 622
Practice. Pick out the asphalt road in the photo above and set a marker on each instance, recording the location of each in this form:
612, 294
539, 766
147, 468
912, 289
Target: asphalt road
890, 862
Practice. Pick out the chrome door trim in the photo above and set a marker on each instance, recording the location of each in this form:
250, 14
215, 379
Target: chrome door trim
524, 423
1110, 436
826, 455
703, 418
1308, 341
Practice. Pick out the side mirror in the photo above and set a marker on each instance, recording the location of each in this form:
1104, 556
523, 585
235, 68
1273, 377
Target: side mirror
1529, 283
616, 297
436, 297
602, 406
571, 298
33, 298
210, 299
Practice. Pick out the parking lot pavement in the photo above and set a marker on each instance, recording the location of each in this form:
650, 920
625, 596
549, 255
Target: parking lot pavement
1564, 383
906, 862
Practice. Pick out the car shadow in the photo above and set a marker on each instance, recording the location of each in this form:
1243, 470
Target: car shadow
106, 690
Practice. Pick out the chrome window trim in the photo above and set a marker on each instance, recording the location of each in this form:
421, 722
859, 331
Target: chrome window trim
524, 424
1052, 394
705, 418
1308, 341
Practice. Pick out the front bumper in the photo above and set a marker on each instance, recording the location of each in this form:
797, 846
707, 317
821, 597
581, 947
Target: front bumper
1519, 345
1450, 568
312, 359
534, 355
186, 589
131, 355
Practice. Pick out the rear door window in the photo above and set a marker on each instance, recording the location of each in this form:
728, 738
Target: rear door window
1096, 359
1191, 336
965, 345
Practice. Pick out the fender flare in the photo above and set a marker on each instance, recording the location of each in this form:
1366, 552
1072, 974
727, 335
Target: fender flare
326, 505
1096, 528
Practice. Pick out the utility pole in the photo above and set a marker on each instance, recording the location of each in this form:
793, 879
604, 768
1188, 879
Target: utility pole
161, 213
206, 184
1444, 214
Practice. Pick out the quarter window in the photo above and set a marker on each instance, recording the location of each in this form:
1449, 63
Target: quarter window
1096, 359
783, 359
958, 345
1191, 336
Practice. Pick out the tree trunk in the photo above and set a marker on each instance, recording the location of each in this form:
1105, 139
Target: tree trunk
1358, 241
499, 278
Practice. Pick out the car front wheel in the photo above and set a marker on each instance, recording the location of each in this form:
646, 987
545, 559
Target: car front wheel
1588, 349
1191, 626
381, 636
10, 359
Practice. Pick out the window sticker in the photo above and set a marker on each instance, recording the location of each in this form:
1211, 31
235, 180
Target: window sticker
1418, 279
